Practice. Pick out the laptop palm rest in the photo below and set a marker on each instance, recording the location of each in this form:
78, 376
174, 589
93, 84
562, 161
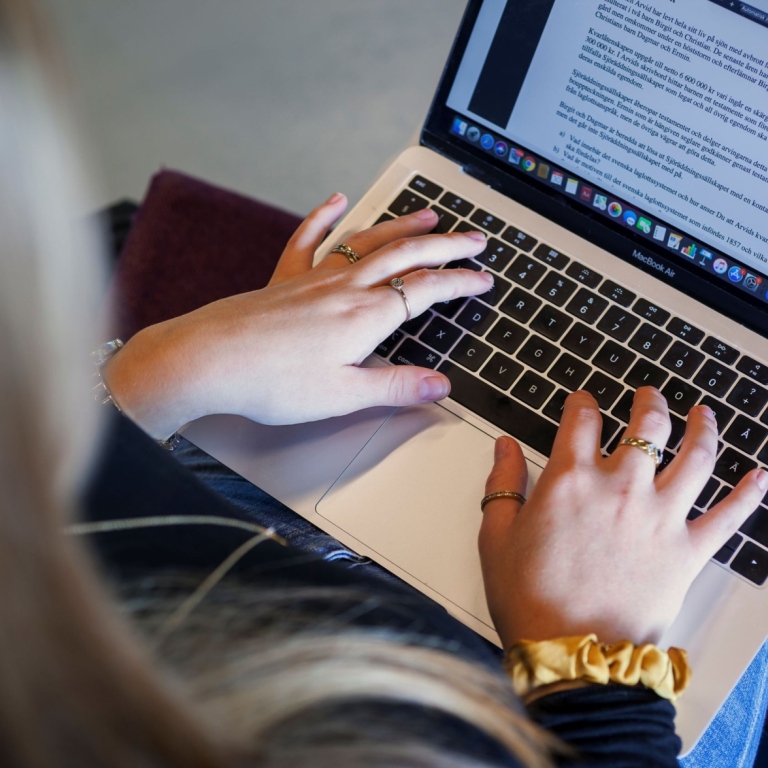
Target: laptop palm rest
428, 525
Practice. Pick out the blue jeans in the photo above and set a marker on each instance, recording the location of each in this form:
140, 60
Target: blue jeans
731, 741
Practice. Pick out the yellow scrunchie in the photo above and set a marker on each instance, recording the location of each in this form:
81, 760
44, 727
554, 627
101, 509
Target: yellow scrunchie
531, 665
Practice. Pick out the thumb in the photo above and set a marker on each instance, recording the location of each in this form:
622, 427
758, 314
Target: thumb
399, 385
509, 473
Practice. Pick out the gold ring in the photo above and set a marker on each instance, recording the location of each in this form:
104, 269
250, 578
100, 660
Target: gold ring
397, 283
351, 254
501, 495
650, 448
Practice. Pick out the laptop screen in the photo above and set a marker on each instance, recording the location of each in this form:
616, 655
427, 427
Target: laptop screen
651, 117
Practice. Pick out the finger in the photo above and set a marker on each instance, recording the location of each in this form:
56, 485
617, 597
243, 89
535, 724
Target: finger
426, 287
404, 256
399, 385
509, 473
687, 473
370, 240
711, 530
578, 437
300, 252
649, 421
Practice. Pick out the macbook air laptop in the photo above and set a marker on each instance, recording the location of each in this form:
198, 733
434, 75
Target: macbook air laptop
616, 154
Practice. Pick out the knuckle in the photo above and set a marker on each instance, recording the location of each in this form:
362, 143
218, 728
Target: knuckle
702, 455
656, 420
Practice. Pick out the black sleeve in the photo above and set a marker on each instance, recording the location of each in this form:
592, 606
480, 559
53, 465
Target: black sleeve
611, 725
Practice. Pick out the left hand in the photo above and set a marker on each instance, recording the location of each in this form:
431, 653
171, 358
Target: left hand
291, 352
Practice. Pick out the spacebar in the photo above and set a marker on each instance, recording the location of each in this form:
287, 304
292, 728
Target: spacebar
500, 409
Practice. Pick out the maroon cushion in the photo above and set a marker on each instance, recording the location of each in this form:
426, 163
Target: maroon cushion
193, 243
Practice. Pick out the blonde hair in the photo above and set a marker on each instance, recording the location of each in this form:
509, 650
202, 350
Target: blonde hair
77, 685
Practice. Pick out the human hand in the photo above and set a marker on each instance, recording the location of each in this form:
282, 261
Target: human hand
291, 352
602, 544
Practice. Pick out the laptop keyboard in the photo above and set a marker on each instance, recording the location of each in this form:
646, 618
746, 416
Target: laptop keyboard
551, 325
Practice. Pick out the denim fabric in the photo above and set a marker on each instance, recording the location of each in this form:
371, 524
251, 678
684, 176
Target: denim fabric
731, 741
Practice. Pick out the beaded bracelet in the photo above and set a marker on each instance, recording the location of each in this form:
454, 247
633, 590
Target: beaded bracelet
531, 665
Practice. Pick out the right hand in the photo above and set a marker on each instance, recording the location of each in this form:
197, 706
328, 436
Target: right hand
603, 544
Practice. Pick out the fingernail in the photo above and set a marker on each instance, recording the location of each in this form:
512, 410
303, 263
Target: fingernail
762, 480
487, 276
434, 388
334, 198
426, 214
501, 448
476, 235
708, 412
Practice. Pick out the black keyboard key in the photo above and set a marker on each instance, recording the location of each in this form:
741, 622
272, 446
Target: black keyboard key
682, 359
617, 293
715, 378
537, 353
756, 526
507, 414
720, 350
487, 221
526, 271
519, 239
496, 255
731, 466
582, 341
680, 395
445, 220
707, 492
618, 323
650, 341
748, 397
532, 389
645, 374
448, 308
551, 322
614, 359
415, 324
501, 371
745, 434
384, 217
555, 405
723, 414
410, 352
569, 371
678, 430
428, 188
649, 311
604, 389
465, 226
719, 496
407, 202
507, 335
609, 429
684, 331
520, 305
497, 292
727, 551
583, 274
753, 369
389, 343
456, 204
463, 264
440, 334
587, 306
556, 288
476, 317
752, 563
470, 352
762, 457
551, 256
622, 409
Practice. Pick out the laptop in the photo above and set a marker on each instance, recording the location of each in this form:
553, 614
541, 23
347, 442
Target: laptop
615, 154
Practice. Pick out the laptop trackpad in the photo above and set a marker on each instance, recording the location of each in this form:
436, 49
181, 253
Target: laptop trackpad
412, 495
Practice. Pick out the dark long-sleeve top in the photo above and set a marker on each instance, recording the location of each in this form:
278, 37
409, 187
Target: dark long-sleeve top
608, 725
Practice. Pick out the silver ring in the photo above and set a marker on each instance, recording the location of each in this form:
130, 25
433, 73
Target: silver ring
656, 453
501, 495
397, 283
350, 253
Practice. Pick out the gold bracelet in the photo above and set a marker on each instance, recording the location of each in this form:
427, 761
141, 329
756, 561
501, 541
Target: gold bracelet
531, 665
